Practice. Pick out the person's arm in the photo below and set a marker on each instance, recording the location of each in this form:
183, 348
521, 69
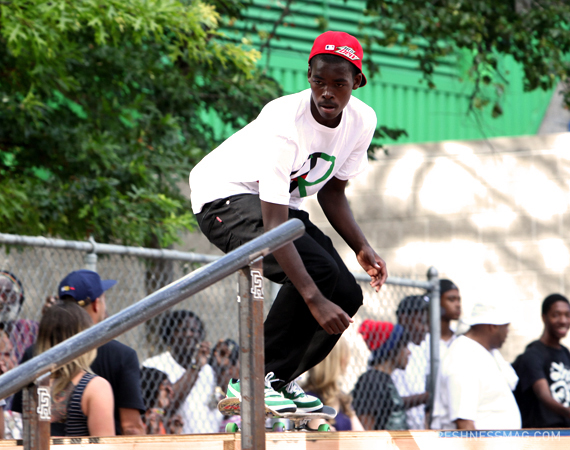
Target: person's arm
329, 316
461, 388
414, 400
355, 423
542, 392
131, 421
127, 393
463, 424
334, 203
181, 389
97, 404
368, 421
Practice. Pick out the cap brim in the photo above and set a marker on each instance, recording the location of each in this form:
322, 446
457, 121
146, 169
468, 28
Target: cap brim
488, 321
108, 284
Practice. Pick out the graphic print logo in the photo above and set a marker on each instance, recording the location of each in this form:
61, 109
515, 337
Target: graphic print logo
560, 387
347, 52
257, 284
44, 404
300, 181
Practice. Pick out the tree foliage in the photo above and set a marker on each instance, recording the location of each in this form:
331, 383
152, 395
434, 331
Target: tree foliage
106, 106
535, 33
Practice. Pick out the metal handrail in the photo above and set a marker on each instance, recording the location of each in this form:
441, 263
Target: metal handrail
148, 307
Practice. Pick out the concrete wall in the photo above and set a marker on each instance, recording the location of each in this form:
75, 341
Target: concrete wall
493, 216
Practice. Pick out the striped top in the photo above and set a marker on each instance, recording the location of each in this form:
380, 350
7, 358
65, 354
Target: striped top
74, 422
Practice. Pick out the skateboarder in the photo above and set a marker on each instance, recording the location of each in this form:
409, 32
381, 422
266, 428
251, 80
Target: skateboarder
307, 143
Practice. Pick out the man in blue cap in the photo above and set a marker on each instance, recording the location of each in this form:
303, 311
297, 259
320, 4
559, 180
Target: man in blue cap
87, 289
115, 362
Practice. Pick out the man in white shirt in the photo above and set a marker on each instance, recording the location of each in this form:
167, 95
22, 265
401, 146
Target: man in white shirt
186, 365
312, 142
450, 306
476, 382
412, 314
411, 383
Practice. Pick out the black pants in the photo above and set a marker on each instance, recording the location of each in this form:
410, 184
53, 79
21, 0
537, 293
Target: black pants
294, 341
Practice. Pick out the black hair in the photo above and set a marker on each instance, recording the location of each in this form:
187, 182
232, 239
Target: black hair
171, 320
446, 285
412, 304
551, 300
334, 59
233, 355
151, 379
233, 348
385, 353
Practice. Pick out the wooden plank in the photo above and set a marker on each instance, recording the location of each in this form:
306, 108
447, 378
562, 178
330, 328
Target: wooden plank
386, 440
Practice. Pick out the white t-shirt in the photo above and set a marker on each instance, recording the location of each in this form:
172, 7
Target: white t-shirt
285, 155
475, 386
412, 381
438, 411
195, 411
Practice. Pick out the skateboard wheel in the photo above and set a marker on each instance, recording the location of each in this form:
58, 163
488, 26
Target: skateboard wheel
324, 427
232, 427
278, 426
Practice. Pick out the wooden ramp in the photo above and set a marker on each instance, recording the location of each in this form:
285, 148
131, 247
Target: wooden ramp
558, 439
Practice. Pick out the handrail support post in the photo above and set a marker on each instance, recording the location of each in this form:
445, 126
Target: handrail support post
435, 335
252, 356
37, 415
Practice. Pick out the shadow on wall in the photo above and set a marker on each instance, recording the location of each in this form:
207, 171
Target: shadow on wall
492, 215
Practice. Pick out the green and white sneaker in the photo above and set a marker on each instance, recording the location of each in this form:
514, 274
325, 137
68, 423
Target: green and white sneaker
233, 389
305, 403
273, 399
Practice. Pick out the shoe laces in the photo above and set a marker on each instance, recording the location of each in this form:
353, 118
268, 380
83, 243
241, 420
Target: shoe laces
270, 378
294, 388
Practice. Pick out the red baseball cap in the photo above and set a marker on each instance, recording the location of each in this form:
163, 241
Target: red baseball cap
341, 44
375, 333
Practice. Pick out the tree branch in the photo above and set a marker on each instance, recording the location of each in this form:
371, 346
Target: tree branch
286, 11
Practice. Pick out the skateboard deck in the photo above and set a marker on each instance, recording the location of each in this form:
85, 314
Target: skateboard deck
232, 407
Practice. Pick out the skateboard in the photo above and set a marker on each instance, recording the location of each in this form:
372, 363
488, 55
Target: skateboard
232, 407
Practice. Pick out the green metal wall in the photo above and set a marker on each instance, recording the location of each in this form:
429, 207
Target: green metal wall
398, 96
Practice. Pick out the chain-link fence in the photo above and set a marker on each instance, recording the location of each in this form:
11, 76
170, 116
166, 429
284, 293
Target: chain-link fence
189, 355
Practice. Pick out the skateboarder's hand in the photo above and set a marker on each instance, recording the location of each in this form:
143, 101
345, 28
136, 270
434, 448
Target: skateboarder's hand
331, 317
374, 266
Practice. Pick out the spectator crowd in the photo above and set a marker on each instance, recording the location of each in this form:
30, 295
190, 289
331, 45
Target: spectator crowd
107, 391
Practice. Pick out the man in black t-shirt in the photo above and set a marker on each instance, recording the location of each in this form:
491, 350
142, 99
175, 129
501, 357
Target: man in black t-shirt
543, 391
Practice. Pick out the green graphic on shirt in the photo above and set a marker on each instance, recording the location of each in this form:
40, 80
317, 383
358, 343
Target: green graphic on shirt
301, 181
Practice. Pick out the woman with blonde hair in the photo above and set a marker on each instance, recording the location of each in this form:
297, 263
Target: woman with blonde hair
323, 381
82, 403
